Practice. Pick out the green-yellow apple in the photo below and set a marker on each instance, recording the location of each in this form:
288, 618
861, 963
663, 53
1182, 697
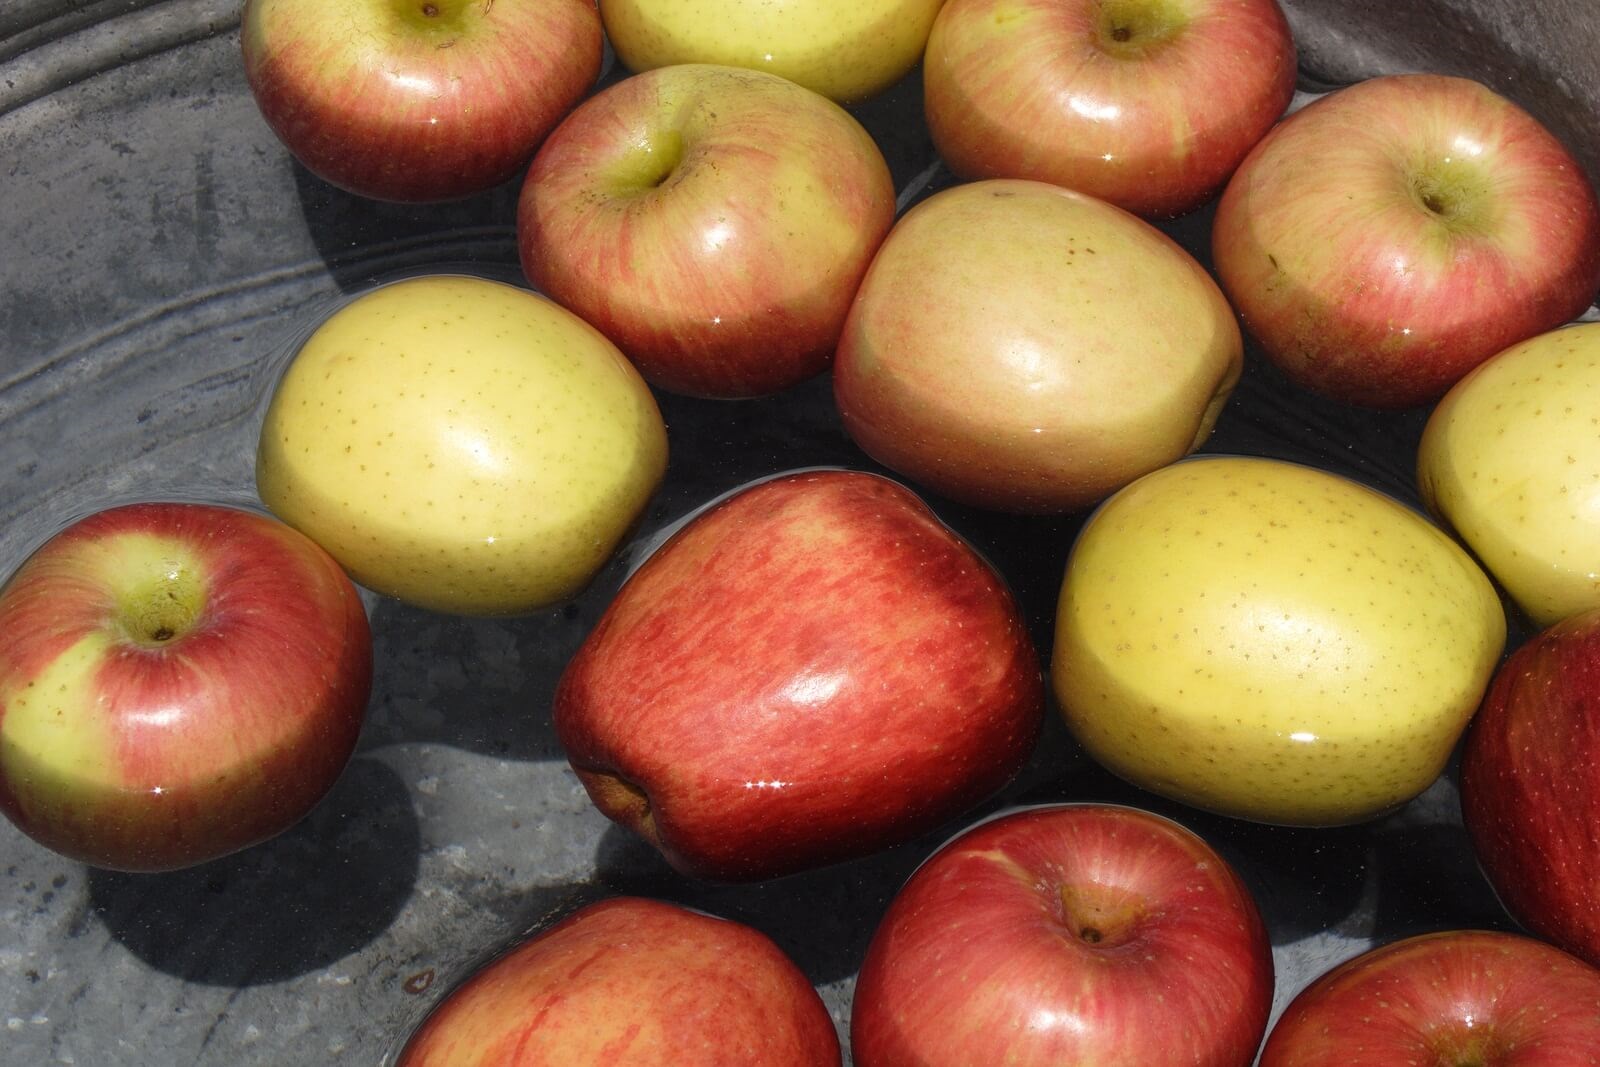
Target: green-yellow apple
1149, 104
713, 221
846, 50
1018, 346
1530, 784
1068, 934
1510, 459
1271, 642
418, 99
812, 669
177, 682
1455, 998
461, 444
1388, 238
630, 982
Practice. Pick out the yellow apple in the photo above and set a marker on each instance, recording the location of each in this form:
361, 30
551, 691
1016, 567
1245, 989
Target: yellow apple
844, 49
461, 444
1271, 642
1511, 460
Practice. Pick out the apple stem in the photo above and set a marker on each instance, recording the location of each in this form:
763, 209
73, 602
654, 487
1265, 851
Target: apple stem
1090, 934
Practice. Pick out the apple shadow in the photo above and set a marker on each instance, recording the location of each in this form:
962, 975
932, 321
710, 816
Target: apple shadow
325, 888
822, 919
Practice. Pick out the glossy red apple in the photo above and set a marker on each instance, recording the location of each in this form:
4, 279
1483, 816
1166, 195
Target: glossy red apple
1530, 784
177, 682
1149, 104
1391, 236
630, 982
1450, 999
713, 222
813, 669
418, 100
1072, 934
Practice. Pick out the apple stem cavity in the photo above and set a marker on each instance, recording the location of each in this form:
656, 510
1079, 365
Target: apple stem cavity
161, 608
1132, 28
652, 161
1450, 193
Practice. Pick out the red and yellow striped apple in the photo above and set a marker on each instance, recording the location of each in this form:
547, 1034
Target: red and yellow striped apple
630, 982
1530, 785
1457, 998
713, 222
811, 670
1391, 236
1071, 934
418, 100
1149, 104
177, 682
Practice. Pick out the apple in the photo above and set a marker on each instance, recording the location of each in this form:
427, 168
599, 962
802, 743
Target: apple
463, 445
1457, 998
714, 222
178, 681
630, 982
1530, 784
1510, 460
1271, 642
847, 50
1149, 104
813, 669
1021, 347
1391, 236
418, 100
1078, 933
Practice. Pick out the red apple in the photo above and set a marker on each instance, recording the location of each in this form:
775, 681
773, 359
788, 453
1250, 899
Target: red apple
177, 681
632, 983
1451, 999
813, 669
1073, 934
1530, 784
713, 222
1022, 347
1393, 235
418, 100
1149, 104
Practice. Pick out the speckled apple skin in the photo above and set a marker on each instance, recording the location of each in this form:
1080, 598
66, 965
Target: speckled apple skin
1358, 292
461, 444
1447, 998
1510, 460
630, 982
731, 274
980, 959
1270, 641
1033, 89
1021, 347
814, 669
1530, 785
847, 50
